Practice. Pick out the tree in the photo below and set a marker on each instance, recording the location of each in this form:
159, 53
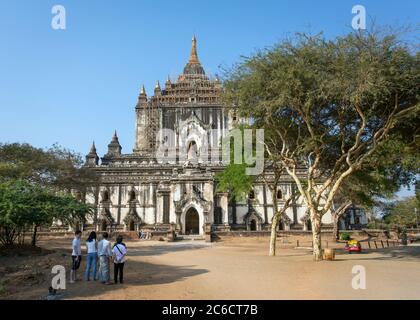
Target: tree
402, 213
393, 165
25, 205
23, 161
57, 167
328, 106
362, 189
69, 210
234, 180
22, 205
12, 211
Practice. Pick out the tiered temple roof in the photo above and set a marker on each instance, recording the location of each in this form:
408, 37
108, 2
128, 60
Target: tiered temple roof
193, 86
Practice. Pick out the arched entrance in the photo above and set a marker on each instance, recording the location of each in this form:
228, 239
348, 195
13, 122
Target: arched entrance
131, 226
253, 225
192, 222
192, 151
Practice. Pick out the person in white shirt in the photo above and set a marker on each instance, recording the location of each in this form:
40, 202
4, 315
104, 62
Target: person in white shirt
76, 256
92, 254
105, 255
119, 252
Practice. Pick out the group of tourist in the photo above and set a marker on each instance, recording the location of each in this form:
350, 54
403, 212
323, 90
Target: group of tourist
102, 250
144, 235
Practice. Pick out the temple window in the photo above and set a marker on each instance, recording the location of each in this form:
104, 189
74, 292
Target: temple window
192, 150
105, 196
132, 195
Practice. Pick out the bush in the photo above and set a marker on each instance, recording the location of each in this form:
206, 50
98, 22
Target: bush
345, 236
3, 287
378, 225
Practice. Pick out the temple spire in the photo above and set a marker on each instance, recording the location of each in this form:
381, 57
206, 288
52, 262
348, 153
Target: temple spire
193, 56
93, 148
193, 67
114, 147
92, 158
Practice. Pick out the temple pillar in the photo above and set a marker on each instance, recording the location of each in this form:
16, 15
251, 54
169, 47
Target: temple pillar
178, 221
224, 206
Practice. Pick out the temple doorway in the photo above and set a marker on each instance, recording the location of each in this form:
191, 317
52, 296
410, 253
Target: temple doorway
131, 226
192, 222
253, 225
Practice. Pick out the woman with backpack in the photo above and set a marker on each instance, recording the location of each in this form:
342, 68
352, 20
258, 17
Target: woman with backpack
119, 252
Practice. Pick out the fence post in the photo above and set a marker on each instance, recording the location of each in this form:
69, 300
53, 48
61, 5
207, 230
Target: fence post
297, 243
376, 246
387, 243
369, 244
382, 243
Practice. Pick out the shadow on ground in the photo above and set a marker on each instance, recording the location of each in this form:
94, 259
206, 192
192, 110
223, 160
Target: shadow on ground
155, 250
401, 253
136, 274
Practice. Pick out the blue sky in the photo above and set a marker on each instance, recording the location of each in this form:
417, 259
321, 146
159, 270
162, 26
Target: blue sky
77, 85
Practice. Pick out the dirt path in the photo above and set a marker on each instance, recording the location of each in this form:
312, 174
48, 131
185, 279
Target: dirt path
241, 269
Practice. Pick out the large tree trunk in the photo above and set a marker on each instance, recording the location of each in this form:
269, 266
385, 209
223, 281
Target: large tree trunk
273, 236
33, 242
336, 215
316, 237
336, 229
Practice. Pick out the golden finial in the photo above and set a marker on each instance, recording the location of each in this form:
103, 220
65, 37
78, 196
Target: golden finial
193, 55
143, 90
157, 87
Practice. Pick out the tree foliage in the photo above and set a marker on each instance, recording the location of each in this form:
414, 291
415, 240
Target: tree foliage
327, 106
35, 189
402, 213
55, 167
25, 205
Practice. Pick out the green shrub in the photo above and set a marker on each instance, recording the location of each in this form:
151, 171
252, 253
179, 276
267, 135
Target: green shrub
3, 287
345, 236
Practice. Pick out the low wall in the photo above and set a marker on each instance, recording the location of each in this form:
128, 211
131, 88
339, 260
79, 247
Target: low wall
326, 232
162, 234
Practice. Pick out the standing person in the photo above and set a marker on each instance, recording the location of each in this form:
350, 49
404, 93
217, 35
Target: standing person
76, 255
92, 253
105, 255
119, 252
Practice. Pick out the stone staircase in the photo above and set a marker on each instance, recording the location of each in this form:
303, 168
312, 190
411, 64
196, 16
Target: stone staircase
195, 237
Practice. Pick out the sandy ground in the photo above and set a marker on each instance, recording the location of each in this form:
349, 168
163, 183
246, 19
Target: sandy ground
234, 269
